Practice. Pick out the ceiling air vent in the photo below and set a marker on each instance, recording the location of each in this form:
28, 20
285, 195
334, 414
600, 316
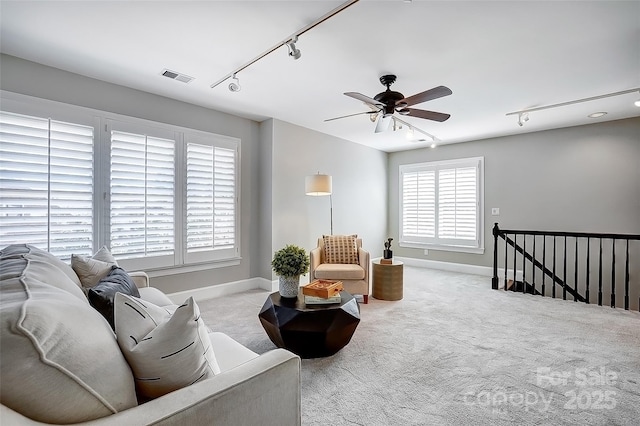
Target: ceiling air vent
177, 76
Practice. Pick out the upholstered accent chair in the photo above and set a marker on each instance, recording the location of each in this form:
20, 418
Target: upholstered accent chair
341, 257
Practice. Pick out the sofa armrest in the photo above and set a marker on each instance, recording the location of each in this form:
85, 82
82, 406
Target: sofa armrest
263, 391
140, 278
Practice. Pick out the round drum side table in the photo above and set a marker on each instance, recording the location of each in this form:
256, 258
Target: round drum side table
387, 280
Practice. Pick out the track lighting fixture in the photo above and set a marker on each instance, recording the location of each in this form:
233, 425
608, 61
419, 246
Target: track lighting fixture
234, 86
523, 115
289, 41
522, 118
293, 51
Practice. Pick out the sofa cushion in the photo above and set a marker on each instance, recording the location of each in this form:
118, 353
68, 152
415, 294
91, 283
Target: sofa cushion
59, 358
166, 352
102, 295
328, 271
92, 269
46, 267
340, 249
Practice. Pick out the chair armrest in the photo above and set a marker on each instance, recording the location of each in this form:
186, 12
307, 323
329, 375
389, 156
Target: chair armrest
363, 257
314, 258
140, 278
263, 391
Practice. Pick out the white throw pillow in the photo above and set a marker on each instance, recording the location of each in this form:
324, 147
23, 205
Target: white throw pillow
165, 351
92, 269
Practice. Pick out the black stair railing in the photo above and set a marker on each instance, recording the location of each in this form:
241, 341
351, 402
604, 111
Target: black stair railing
573, 278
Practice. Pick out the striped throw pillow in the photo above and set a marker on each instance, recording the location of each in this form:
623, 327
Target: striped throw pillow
165, 351
340, 249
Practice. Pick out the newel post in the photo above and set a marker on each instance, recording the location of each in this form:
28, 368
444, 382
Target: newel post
494, 280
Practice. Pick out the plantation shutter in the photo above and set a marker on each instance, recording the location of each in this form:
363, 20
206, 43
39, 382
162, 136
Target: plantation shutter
457, 203
142, 190
211, 196
46, 182
418, 200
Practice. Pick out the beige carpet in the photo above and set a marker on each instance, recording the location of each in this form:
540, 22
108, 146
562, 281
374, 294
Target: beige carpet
455, 352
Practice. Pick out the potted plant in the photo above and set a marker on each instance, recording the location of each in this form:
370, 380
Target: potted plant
289, 263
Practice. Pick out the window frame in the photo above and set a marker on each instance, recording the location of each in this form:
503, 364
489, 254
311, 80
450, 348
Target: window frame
436, 243
101, 120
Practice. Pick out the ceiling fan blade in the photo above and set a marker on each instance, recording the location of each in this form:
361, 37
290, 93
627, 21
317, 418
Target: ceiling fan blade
429, 115
363, 98
383, 123
435, 93
351, 115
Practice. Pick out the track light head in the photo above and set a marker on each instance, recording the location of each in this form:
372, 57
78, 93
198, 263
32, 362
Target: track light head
522, 118
293, 51
234, 86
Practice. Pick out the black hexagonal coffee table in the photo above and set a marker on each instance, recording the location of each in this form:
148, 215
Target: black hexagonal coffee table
310, 331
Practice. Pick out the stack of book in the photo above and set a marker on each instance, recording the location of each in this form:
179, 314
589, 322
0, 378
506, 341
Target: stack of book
322, 292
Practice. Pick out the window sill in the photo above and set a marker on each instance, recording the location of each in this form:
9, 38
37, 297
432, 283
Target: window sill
458, 249
183, 269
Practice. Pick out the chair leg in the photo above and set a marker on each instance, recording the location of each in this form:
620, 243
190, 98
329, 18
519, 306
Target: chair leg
366, 298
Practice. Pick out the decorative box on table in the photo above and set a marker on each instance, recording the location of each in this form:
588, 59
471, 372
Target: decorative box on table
323, 288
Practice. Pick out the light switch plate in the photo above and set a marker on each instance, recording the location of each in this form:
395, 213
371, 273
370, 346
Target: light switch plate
495, 211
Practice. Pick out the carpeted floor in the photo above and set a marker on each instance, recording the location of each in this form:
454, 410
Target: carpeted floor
455, 352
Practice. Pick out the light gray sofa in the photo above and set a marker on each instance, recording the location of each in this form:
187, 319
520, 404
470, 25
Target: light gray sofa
60, 362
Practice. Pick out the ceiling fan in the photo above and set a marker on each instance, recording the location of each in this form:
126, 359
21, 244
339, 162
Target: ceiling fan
385, 104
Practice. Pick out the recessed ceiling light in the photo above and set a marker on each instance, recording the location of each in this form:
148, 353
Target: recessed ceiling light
597, 114
637, 103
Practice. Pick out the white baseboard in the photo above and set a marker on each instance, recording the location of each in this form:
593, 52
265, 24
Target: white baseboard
222, 289
486, 271
225, 289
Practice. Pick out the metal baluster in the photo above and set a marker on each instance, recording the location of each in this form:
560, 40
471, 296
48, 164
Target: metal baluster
613, 273
553, 288
588, 262
524, 263
575, 278
544, 262
564, 271
506, 265
494, 280
515, 243
533, 268
600, 275
626, 280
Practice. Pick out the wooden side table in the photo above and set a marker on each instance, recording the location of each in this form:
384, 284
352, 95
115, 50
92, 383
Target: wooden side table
387, 280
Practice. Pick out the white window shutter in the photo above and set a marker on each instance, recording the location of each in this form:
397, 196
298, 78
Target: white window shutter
457, 203
211, 198
46, 177
418, 200
142, 195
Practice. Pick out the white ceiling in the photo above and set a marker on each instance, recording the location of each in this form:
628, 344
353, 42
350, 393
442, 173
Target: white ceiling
496, 56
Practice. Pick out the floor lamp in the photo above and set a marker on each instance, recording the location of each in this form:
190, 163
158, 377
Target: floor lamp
318, 186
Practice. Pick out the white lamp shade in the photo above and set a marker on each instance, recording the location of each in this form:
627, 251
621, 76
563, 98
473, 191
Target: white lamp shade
317, 185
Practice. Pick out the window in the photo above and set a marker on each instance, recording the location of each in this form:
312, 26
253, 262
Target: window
46, 184
159, 196
441, 205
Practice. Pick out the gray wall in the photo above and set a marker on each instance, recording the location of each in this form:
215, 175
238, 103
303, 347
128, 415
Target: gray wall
359, 191
37, 80
584, 178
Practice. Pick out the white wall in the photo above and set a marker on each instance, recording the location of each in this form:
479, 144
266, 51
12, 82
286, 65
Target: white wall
359, 194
